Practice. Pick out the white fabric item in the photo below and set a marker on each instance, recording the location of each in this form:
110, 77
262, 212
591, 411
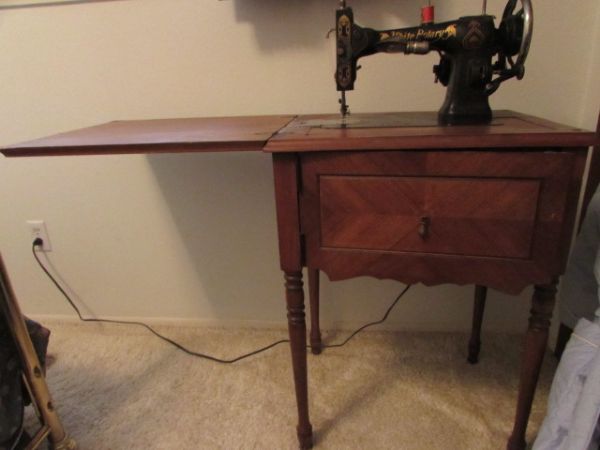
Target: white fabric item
574, 401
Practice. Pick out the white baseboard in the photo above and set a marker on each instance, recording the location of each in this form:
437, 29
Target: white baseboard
167, 321
414, 326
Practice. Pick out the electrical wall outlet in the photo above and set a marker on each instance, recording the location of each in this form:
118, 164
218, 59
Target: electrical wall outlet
38, 229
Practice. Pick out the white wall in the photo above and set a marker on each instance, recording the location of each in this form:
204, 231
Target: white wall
193, 236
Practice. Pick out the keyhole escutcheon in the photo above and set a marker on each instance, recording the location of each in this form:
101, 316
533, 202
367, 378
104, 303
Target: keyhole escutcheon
424, 225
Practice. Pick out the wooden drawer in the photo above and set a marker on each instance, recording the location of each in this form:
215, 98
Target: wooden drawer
461, 216
497, 218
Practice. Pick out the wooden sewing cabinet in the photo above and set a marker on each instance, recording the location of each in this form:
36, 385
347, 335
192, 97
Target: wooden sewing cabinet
493, 206
395, 196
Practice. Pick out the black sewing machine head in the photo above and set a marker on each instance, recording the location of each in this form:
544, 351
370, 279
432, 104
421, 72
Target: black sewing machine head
467, 47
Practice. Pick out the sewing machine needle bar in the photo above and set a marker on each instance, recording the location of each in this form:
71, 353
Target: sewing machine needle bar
343, 104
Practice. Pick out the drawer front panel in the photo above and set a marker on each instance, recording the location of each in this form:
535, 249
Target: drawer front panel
501, 219
444, 215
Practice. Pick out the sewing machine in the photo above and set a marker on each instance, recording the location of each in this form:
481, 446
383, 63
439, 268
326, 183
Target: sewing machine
467, 48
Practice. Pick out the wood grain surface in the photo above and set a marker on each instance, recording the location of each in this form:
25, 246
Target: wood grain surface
428, 214
289, 133
495, 218
218, 134
396, 131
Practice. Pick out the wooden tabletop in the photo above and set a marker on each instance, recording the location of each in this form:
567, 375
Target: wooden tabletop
377, 131
158, 136
419, 130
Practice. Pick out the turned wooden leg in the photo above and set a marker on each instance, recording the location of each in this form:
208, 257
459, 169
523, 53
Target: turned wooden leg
478, 309
313, 294
297, 331
536, 340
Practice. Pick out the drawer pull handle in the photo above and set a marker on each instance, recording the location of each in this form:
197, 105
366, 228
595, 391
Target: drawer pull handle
424, 227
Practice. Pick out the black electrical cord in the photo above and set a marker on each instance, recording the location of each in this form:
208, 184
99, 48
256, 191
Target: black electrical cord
39, 242
383, 319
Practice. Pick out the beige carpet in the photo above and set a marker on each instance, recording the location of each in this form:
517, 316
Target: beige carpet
118, 387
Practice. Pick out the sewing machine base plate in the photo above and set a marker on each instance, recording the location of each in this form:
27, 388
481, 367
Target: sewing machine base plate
390, 120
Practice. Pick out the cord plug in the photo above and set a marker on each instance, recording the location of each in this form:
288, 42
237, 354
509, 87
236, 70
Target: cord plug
38, 243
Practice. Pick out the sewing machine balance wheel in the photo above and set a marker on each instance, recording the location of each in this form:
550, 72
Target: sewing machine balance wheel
516, 31
526, 15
